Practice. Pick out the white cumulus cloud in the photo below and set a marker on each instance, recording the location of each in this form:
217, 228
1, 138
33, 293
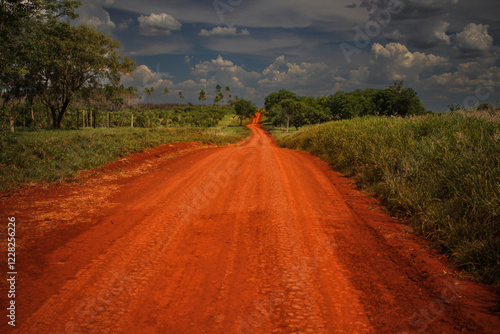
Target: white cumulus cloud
143, 77
466, 79
224, 31
396, 62
158, 24
474, 38
304, 78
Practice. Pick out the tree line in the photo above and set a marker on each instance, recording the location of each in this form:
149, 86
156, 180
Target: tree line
285, 108
220, 97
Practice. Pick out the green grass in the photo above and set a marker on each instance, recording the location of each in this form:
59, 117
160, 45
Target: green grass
282, 132
228, 119
47, 155
230, 126
441, 172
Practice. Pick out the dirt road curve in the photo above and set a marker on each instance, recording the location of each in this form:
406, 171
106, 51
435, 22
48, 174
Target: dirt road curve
247, 239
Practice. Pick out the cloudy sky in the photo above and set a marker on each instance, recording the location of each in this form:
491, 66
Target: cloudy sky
447, 50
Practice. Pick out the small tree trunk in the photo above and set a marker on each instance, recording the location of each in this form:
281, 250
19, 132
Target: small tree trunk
12, 119
132, 120
54, 119
47, 111
60, 113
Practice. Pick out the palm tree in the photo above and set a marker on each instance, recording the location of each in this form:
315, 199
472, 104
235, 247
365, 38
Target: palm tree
166, 94
202, 96
181, 97
218, 89
226, 93
148, 91
220, 97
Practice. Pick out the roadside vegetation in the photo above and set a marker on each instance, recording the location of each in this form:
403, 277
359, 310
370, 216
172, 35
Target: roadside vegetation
285, 109
28, 157
439, 172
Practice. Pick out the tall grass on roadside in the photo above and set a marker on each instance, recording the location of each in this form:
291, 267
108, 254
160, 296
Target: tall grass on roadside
31, 157
442, 172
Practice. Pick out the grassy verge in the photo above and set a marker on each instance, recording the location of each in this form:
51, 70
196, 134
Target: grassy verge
31, 157
230, 126
441, 172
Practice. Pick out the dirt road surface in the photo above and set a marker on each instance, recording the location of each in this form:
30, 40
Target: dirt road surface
242, 239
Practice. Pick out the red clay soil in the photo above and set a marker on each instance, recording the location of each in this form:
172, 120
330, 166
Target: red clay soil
245, 239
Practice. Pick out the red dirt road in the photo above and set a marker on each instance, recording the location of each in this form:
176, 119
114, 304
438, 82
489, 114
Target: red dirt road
247, 239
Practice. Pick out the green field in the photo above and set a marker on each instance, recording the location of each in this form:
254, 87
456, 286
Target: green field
230, 126
440, 172
48, 155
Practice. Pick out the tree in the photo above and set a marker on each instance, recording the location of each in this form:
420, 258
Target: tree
348, 105
294, 112
148, 91
181, 97
42, 54
226, 94
131, 95
244, 109
275, 98
276, 115
166, 94
406, 100
394, 100
219, 97
19, 20
302, 114
202, 96
69, 58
